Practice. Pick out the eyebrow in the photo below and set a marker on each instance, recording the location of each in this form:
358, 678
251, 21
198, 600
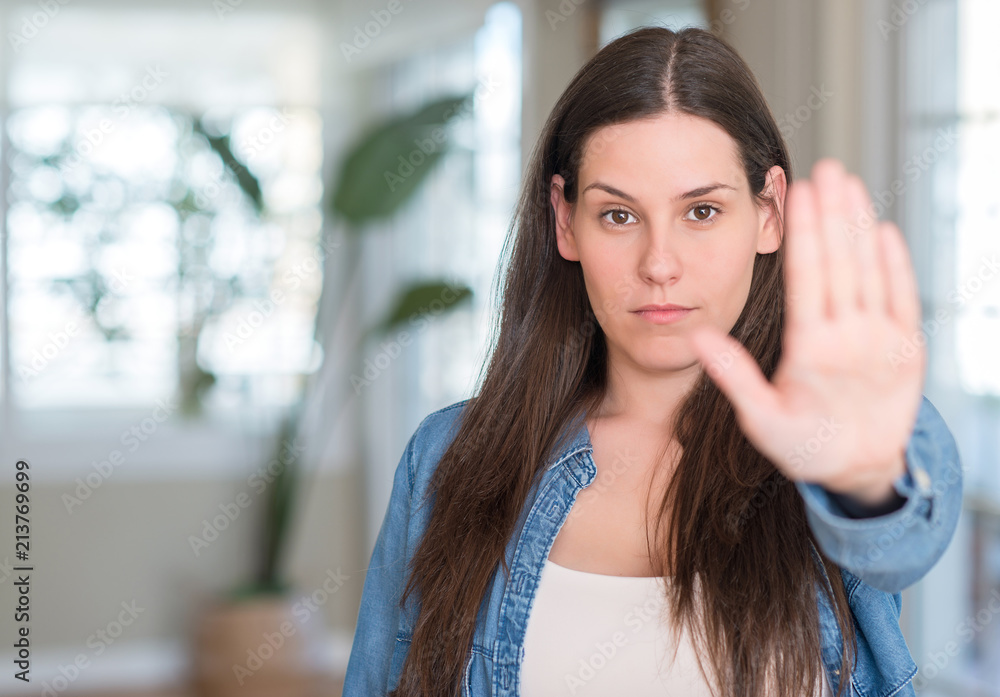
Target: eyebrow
693, 193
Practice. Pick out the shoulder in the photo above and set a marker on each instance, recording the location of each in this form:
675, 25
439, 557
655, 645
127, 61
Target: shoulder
440, 425
430, 440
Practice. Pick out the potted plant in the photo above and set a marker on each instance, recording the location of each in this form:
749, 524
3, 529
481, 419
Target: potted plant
236, 622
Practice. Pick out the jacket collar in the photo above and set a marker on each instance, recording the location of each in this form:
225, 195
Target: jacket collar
574, 438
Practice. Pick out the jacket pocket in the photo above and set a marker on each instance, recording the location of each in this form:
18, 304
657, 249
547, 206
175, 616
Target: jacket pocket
400, 649
478, 674
885, 665
476, 671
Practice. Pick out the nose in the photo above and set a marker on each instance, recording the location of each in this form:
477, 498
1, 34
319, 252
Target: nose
659, 262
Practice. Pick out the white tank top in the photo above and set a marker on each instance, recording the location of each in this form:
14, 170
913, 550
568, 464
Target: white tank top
595, 634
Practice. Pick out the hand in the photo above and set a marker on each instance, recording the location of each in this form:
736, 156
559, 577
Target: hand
841, 405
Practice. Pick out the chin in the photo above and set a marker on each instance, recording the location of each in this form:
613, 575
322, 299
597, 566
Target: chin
665, 358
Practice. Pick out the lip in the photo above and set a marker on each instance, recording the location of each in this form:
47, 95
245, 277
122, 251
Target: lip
663, 314
665, 306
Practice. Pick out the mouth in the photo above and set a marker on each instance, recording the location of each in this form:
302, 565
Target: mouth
663, 314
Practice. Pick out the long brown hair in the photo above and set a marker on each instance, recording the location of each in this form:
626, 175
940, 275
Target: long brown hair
729, 520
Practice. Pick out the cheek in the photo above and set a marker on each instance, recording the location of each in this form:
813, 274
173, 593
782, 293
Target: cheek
723, 277
610, 280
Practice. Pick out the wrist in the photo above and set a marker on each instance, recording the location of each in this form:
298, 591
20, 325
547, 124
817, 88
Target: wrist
873, 498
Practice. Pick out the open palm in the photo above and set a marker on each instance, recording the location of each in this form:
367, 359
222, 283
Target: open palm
843, 400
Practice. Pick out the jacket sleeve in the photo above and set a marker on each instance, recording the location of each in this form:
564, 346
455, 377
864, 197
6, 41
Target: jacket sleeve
378, 617
896, 549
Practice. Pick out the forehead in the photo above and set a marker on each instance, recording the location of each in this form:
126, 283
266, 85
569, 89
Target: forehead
668, 153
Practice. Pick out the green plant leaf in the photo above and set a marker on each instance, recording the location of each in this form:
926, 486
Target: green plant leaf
280, 502
426, 298
193, 388
247, 181
381, 172
252, 590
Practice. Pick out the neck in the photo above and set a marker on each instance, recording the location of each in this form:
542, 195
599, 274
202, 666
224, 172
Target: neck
636, 394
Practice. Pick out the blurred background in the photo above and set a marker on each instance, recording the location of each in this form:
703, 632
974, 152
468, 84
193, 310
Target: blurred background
248, 245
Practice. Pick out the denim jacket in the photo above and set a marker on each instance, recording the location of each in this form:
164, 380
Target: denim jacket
879, 556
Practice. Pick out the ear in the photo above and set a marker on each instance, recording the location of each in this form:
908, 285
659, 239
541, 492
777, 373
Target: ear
770, 231
565, 239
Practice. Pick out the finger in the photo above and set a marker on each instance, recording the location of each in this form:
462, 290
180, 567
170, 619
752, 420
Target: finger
867, 248
903, 293
737, 375
805, 274
829, 176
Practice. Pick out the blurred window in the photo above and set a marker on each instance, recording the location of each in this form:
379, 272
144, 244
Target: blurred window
137, 266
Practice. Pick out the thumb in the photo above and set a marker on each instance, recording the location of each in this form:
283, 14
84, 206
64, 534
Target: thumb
736, 373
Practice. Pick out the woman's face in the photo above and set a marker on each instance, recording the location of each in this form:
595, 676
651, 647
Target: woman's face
664, 215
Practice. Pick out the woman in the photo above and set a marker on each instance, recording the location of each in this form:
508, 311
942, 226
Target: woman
610, 514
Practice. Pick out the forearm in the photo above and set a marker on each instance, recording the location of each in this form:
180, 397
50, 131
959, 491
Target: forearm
893, 544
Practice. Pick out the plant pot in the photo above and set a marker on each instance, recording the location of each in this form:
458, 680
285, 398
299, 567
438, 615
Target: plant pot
252, 647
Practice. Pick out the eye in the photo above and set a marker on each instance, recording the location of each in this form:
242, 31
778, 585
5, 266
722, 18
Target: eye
705, 208
619, 217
